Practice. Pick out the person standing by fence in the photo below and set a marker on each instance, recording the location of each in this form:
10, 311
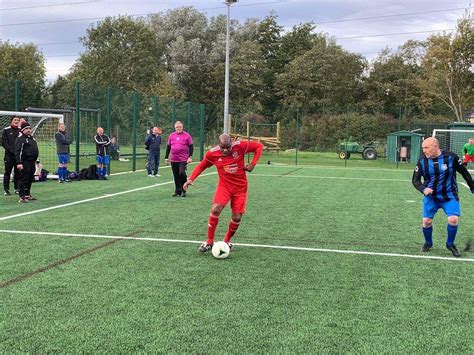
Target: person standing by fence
179, 150
63, 141
26, 154
102, 143
153, 145
9, 136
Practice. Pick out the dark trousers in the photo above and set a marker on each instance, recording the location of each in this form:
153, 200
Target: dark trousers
27, 175
179, 175
153, 162
10, 165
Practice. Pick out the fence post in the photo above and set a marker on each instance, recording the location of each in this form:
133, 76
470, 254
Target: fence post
201, 131
134, 131
17, 95
297, 134
188, 123
154, 102
78, 123
109, 120
173, 112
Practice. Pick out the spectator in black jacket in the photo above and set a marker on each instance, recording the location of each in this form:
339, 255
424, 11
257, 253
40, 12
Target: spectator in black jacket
26, 153
9, 136
63, 141
153, 145
102, 143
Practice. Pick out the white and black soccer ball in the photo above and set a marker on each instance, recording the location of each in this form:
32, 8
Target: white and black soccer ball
220, 250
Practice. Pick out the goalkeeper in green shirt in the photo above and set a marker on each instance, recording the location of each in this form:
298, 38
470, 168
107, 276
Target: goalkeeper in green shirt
468, 152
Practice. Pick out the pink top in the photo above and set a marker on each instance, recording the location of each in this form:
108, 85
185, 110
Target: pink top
179, 143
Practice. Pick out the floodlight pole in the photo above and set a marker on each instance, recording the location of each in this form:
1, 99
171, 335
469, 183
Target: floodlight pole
227, 50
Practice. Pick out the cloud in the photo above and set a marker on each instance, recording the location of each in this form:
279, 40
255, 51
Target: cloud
289, 12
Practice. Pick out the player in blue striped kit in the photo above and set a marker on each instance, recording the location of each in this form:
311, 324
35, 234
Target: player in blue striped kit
439, 187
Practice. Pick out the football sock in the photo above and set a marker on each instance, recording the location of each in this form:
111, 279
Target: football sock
99, 171
104, 170
452, 230
428, 234
233, 226
211, 228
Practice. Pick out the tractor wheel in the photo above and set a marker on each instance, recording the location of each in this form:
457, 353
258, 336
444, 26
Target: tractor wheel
369, 154
344, 155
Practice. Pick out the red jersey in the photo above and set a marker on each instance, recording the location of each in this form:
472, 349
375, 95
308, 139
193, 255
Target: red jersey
231, 168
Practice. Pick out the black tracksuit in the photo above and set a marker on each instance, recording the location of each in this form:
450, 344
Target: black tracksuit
9, 136
26, 153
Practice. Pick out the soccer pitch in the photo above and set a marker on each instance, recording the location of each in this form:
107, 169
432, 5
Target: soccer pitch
327, 259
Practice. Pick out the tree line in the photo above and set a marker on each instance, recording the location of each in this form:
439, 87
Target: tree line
180, 54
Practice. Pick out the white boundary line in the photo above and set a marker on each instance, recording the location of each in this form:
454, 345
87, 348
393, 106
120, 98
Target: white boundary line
355, 252
90, 199
328, 177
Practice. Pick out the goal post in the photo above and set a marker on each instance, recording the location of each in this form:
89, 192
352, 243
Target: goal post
44, 127
453, 140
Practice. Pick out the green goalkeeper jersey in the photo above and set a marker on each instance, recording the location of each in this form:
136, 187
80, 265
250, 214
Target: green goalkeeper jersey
468, 149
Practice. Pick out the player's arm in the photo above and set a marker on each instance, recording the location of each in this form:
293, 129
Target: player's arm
416, 179
255, 148
19, 144
203, 165
458, 165
464, 149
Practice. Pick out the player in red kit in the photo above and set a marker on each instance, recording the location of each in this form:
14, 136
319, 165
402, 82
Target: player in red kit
228, 158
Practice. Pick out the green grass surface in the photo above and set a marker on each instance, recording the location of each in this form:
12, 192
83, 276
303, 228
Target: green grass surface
147, 295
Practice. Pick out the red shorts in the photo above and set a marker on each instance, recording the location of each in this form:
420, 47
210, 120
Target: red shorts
468, 158
238, 200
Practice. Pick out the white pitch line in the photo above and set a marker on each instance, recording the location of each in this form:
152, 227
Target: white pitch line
328, 177
267, 246
90, 199
330, 167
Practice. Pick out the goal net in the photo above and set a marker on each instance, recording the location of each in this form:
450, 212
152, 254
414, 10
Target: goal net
453, 140
44, 127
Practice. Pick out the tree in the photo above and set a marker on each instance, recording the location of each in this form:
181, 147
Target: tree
22, 62
447, 68
324, 77
122, 53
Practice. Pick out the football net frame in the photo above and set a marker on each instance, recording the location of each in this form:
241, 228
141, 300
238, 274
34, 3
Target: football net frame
44, 127
453, 140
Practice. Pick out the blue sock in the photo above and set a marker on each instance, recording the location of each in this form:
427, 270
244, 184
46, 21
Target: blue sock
428, 234
99, 172
104, 170
60, 173
64, 173
452, 230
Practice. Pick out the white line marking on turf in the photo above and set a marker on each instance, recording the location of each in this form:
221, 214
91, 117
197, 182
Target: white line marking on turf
91, 199
356, 252
410, 201
328, 177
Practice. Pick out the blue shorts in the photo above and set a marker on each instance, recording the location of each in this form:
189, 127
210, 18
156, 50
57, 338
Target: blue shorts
430, 207
63, 158
103, 159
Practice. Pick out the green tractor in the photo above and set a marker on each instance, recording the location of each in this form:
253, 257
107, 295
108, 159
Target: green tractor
370, 151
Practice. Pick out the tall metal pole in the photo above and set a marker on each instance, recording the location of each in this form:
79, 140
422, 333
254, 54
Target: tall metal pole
227, 50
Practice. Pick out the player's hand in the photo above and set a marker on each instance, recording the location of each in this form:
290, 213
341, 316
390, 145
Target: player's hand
427, 191
249, 167
19, 166
190, 160
167, 161
187, 184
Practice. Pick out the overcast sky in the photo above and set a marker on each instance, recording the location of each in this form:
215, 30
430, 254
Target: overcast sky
18, 18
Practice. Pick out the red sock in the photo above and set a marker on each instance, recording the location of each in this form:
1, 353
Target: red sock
233, 226
211, 228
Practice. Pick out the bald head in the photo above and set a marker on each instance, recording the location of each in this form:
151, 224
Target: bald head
225, 143
224, 140
430, 148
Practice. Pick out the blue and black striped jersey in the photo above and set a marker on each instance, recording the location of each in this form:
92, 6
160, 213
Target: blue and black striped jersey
439, 174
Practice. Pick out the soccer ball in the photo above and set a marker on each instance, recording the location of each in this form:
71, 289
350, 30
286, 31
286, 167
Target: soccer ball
220, 250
